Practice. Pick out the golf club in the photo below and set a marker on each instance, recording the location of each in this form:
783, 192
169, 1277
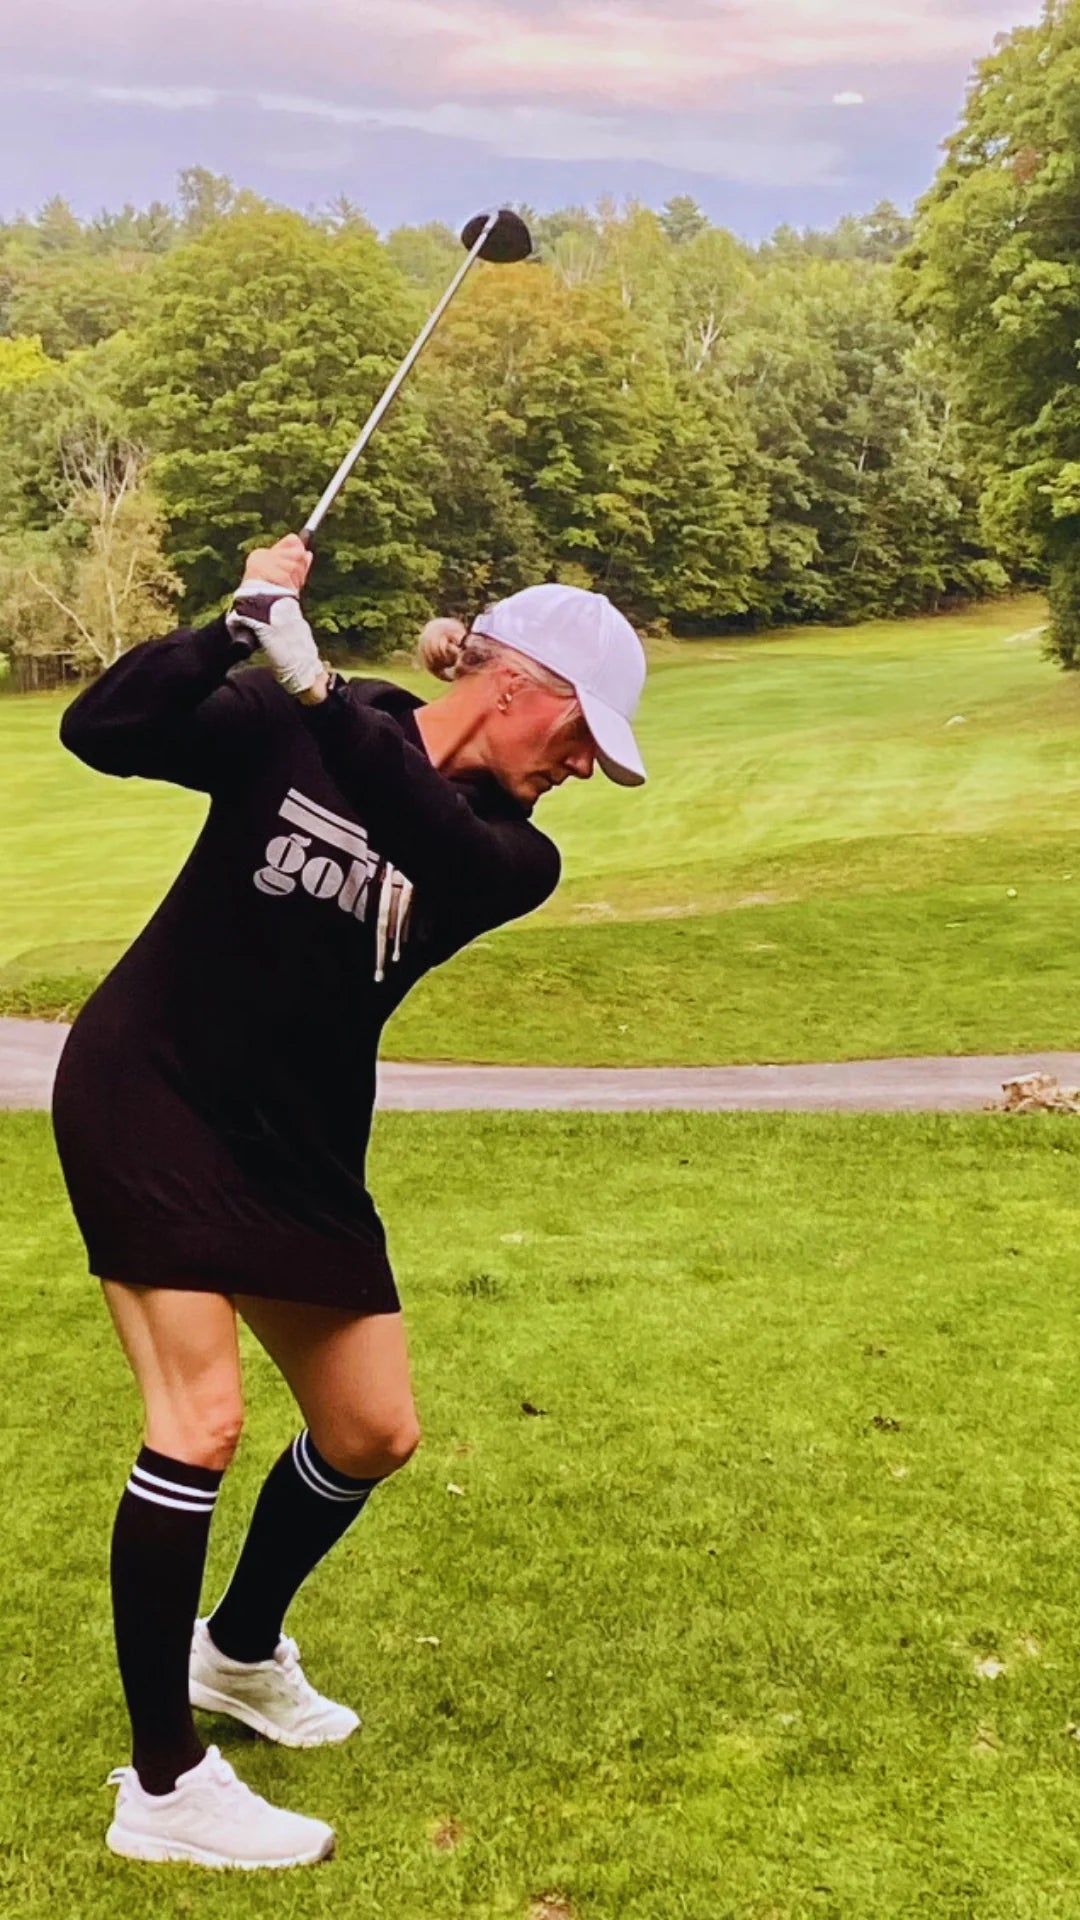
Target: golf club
500, 237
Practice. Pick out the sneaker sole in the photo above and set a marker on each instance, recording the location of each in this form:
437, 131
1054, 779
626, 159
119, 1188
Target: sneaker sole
211, 1701
143, 1846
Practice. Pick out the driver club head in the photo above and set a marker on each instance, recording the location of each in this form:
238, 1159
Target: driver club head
509, 239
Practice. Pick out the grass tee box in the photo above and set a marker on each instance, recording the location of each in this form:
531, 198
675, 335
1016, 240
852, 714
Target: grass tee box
767, 1610
854, 842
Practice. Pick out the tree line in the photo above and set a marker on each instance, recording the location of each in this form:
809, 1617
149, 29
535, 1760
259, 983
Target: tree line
869, 421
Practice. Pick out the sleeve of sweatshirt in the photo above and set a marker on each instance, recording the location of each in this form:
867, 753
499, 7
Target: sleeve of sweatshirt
482, 872
168, 710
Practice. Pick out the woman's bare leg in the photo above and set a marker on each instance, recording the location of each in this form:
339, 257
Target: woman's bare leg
182, 1349
350, 1376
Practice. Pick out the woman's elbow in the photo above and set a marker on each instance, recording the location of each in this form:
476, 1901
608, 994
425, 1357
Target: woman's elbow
84, 735
71, 728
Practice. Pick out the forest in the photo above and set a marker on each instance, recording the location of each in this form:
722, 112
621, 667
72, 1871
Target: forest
878, 420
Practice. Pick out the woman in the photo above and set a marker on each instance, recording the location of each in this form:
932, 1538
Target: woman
214, 1101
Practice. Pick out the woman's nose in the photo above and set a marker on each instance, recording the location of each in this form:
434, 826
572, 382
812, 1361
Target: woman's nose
583, 762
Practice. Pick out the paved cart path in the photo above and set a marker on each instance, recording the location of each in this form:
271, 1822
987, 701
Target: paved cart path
29, 1050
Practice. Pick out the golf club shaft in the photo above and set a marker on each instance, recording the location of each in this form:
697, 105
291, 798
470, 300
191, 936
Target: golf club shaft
317, 514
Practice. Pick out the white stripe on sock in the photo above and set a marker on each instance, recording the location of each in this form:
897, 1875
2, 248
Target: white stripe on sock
173, 1486
315, 1480
163, 1500
332, 1486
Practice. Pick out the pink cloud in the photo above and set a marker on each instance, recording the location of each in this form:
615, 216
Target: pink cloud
671, 55
740, 92
660, 54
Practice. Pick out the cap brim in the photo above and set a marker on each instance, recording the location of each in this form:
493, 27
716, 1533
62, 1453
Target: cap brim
616, 749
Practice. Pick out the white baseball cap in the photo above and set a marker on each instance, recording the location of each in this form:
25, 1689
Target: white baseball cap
585, 640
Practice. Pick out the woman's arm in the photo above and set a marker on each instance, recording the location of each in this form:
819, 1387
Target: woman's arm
480, 872
167, 711
483, 871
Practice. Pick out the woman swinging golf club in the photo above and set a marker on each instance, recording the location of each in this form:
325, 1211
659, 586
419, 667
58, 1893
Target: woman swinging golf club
214, 1102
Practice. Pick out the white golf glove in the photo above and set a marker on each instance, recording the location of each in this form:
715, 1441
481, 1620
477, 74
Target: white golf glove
270, 617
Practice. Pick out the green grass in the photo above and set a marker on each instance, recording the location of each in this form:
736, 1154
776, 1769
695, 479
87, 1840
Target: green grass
709, 1629
821, 866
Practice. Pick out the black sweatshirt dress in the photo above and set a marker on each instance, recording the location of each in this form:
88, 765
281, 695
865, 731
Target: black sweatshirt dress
214, 1099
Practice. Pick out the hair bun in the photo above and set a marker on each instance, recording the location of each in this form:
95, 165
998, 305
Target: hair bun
439, 647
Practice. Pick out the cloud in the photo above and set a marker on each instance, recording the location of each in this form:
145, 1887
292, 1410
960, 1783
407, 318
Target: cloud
167, 99
161, 99
681, 52
739, 91
660, 55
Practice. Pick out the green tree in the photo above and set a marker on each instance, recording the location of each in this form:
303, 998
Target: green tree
482, 528
57, 228
152, 229
82, 568
995, 269
879, 236
205, 197
22, 359
547, 229
555, 367
76, 299
343, 214
638, 259
682, 219
707, 510
428, 256
48, 419
713, 281
269, 342
857, 444
95, 582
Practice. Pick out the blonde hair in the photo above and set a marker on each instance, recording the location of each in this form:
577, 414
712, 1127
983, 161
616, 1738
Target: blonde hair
450, 650
447, 649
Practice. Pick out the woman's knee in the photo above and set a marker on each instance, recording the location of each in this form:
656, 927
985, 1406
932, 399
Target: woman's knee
181, 1346
369, 1448
203, 1430
400, 1442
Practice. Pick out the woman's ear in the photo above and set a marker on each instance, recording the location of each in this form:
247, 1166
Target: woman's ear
507, 681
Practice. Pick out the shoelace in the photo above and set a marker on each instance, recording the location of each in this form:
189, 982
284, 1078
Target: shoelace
287, 1657
224, 1775
219, 1770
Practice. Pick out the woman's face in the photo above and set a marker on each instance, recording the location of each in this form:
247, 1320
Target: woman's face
537, 737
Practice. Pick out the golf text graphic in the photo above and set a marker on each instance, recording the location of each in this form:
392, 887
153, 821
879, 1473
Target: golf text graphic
351, 876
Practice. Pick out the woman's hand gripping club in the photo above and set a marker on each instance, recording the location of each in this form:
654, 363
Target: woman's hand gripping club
266, 611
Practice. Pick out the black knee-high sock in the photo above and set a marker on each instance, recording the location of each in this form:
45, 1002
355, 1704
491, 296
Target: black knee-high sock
305, 1505
158, 1554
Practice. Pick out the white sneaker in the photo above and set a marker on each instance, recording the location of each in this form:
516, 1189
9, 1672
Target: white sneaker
271, 1696
211, 1820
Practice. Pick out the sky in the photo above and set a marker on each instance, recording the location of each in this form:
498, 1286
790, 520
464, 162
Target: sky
772, 110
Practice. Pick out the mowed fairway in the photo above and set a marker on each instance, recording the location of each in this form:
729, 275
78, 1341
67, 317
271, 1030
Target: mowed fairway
854, 842
767, 1610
